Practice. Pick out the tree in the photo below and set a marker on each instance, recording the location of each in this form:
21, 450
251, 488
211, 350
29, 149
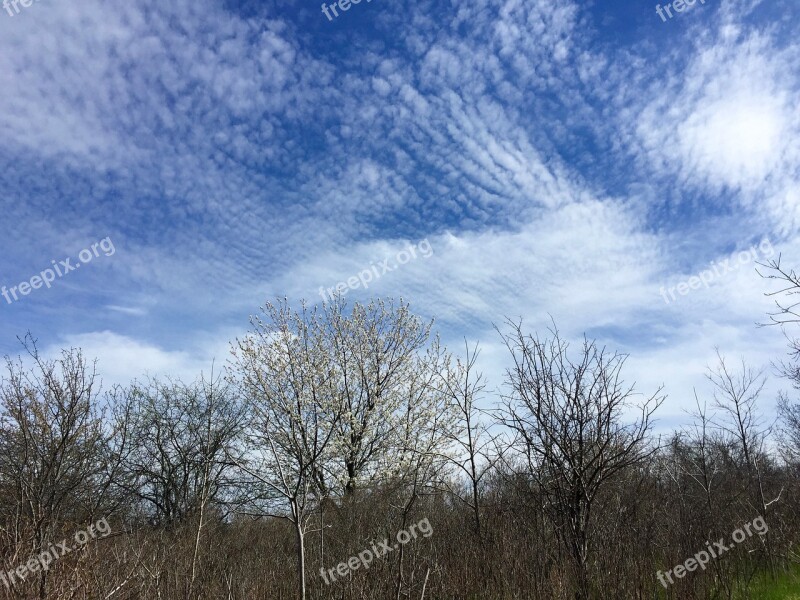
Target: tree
463, 387
786, 313
421, 440
284, 369
376, 352
173, 441
789, 432
736, 396
567, 417
51, 447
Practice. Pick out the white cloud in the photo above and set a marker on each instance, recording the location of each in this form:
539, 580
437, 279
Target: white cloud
482, 126
121, 359
737, 140
728, 124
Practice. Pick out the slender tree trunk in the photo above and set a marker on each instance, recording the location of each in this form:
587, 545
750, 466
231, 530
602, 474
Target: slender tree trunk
425, 583
406, 510
196, 553
301, 560
474, 476
301, 550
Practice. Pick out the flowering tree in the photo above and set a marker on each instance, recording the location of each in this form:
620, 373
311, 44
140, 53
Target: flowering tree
284, 369
340, 401
382, 359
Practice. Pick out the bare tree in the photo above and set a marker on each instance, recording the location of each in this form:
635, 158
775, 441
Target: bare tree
173, 440
785, 313
699, 455
736, 395
470, 435
218, 432
789, 432
51, 441
567, 416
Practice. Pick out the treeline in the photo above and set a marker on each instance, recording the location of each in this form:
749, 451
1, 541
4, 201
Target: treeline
331, 430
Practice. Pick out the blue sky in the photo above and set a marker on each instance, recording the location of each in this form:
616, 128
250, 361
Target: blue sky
565, 159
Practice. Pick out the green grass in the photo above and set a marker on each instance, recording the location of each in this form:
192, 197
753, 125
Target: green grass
787, 587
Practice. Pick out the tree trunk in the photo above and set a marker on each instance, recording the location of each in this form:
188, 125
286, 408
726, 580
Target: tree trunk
301, 552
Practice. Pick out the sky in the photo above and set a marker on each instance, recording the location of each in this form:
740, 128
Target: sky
548, 160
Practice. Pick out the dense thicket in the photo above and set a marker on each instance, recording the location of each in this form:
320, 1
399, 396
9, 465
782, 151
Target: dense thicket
333, 429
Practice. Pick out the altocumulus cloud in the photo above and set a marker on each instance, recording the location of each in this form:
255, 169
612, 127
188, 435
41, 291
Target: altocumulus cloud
236, 152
